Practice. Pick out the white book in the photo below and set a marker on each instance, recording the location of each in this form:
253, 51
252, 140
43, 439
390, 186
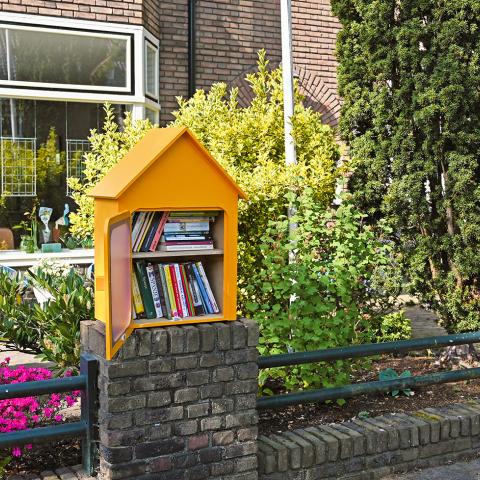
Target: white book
181, 248
140, 237
154, 290
137, 226
181, 291
206, 284
187, 227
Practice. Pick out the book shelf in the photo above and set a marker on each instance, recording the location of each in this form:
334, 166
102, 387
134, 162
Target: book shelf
167, 171
212, 261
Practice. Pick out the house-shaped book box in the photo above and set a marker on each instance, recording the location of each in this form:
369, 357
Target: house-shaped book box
165, 237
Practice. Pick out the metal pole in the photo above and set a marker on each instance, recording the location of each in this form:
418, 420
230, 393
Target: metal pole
287, 69
89, 368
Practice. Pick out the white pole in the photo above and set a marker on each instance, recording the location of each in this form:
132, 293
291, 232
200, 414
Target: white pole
13, 116
287, 68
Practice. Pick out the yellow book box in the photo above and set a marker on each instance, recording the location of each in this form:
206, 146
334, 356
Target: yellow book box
165, 237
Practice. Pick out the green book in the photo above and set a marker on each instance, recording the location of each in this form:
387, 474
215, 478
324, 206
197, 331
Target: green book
144, 286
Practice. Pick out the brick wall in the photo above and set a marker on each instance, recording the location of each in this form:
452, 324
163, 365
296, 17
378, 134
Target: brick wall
372, 448
125, 11
178, 402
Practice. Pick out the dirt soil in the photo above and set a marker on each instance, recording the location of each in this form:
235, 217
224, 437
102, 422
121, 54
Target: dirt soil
48, 456
298, 416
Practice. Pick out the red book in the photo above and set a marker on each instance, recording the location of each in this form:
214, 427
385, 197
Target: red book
158, 233
176, 292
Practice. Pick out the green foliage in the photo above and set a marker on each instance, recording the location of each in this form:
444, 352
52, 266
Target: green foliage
392, 327
249, 144
51, 330
70, 302
325, 298
409, 74
107, 148
50, 171
391, 374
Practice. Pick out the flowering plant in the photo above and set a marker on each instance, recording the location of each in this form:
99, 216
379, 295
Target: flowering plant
22, 413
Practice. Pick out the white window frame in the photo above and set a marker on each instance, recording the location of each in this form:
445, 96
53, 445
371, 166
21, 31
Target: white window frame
77, 32
139, 35
151, 46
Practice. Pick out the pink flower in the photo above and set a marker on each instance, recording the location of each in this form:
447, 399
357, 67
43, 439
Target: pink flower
48, 412
16, 452
58, 418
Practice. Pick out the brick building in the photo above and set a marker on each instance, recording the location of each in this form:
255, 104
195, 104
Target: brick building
61, 60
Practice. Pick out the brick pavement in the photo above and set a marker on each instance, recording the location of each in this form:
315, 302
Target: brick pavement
66, 473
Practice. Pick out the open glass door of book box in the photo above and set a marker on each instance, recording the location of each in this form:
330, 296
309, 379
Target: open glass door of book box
118, 281
178, 266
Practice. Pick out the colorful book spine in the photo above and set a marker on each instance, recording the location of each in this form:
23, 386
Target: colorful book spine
151, 232
176, 293
203, 292
163, 281
137, 298
181, 292
154, 289
188, 293
141, 232
158, 280
207, 287
195, 291
171, 293
159, 232
145, 292
180, 248
139, 219
187, 227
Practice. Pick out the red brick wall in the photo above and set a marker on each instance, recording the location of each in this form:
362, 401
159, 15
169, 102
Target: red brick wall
125, 11
229, 34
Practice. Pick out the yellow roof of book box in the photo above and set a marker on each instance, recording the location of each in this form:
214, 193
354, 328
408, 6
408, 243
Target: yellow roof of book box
167, 170
146, 152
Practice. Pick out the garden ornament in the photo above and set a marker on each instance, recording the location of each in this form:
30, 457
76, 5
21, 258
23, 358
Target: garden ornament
45, 213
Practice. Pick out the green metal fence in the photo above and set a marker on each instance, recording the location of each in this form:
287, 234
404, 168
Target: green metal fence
347, 391
86, 382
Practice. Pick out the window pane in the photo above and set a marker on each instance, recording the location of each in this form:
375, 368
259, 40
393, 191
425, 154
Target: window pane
151, 71
64, 58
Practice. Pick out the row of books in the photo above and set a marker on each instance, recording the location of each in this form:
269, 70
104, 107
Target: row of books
172, 231
171, 290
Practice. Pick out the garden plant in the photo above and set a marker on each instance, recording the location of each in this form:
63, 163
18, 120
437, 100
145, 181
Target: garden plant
409, 74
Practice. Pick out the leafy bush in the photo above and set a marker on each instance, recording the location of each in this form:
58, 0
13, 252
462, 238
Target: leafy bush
107, 148
249, 143
22, 413
408, 74
392, 327
51, 329
326, 297
391, 374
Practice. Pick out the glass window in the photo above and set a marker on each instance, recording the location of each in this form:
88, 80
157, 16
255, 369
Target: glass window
57, 57
151, 70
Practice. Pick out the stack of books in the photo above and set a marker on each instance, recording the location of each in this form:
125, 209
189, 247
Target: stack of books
171, 290
172, 231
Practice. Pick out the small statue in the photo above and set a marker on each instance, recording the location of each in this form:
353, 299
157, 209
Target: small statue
66, 211
45, 213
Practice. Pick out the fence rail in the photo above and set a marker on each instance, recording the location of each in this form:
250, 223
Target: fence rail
86, 382
348, 391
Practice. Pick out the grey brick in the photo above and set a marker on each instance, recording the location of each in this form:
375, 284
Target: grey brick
210, 454
319, 446
207, 337
199, 472
126, 404
358, 440
192, 338
165, 414
160, 365
199, 377
393, 440
185, 363
240, 449
223, 438
222, 405
223, 336
183, 428
158, 448
211, 359
247, 371
346, 443
240, 420
159, 431
144, 336
159, 341
127, 369
185, 395
368, 434
224, 468
333, 443
223, 374
241, 386
176, 338
252, 331
211, 391
128, 349
244, 464
308, 453
211, 423
198, 410
159, 399
239, 335
116, 454
244, 434
294, 450
433, 422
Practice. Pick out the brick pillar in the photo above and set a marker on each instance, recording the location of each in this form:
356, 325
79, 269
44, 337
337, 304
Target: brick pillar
178, 402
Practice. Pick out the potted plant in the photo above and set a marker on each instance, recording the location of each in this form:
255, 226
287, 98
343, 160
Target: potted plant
28, 240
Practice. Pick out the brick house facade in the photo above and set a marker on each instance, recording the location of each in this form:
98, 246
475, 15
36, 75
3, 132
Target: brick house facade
228, 35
